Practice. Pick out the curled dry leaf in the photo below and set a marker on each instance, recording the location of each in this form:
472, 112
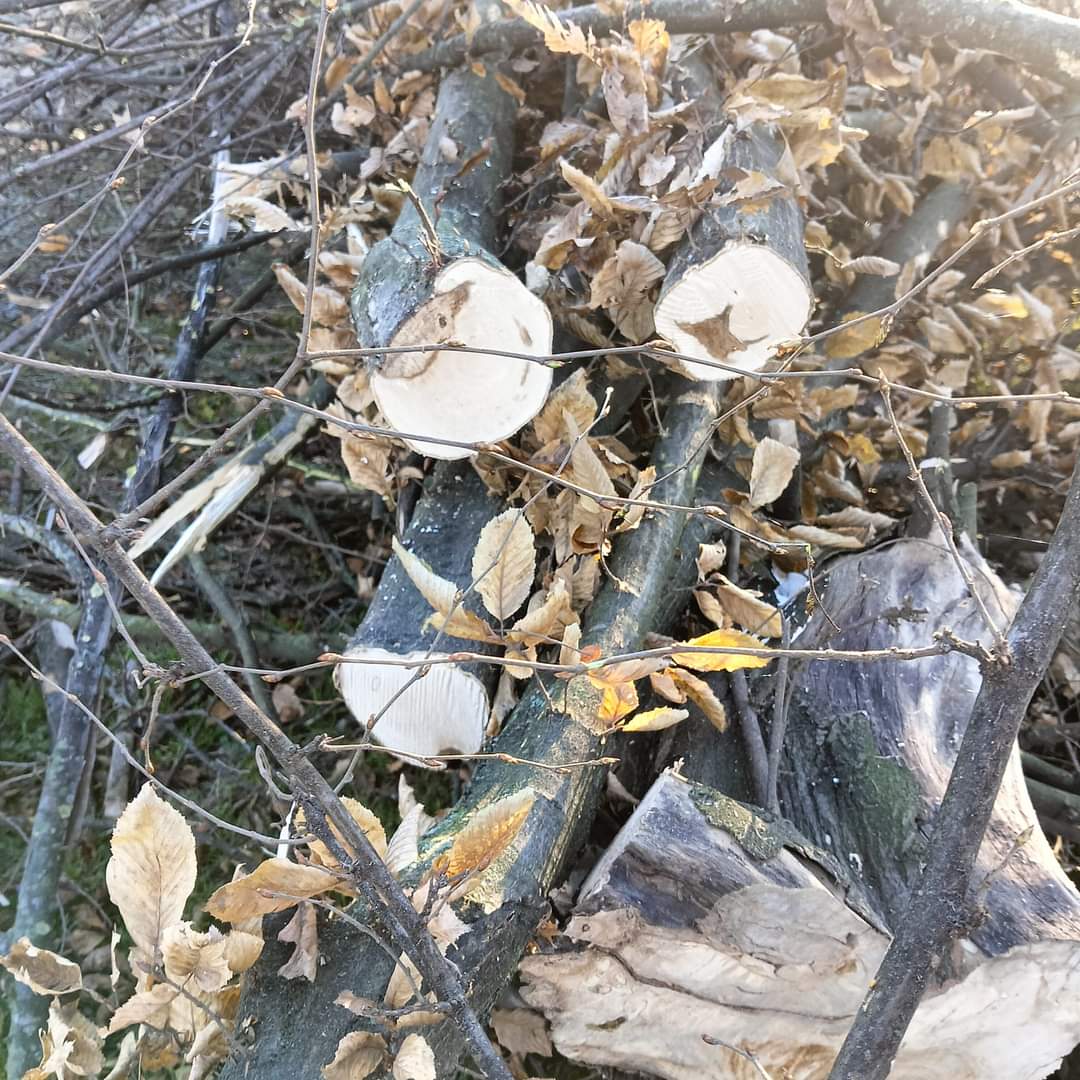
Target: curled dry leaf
621, 286
774, 465
368, 463
265, 216
302, 932
720, 639
701, 694
328, 306
195, 959
571, 396
70, 1045
488, 834
415, 1060
559, 36
274, 885
618, 701
43, 971
358, 1055
152, 869
504, 563
655, 719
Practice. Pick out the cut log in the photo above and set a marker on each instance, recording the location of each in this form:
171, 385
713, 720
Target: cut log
917, 239
708, 933
738, 285
698, 921
446, 710
509, 899
435, 280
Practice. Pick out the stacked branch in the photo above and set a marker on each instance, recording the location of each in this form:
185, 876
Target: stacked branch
738, 284
554, 725
443, 708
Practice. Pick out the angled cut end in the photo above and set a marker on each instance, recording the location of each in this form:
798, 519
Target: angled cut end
444, 712
734, 309
468, 397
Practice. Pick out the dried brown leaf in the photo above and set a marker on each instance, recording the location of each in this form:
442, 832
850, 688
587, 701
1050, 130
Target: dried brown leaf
274, 885
43, 971
701, 694
358, 1055
504, 563
415, 1060
152, 869
302, 932
437, 591
749, 610
559, 36
773, 467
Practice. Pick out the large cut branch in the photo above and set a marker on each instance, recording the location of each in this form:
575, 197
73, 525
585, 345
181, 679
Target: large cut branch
510, 897
446, 710
702, 917
435, 279
709, 931
738, 284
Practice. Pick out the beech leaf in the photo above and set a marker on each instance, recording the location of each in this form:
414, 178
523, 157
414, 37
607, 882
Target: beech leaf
357, 1055
43, 971
274, 885
774, 465
152, 869
721, 639
655, 719
437, 591
488, 833
504, 563
415, 1060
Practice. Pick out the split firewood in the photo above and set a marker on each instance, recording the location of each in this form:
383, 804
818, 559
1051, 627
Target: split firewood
734, 934
738, 284
435, 280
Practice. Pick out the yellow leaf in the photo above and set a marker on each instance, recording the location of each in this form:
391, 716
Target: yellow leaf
461, 624
700, 693
721, 639
489, 833
363, 817
655, 719
774, 465
43, 971
415, 1060
152, 869
546, 621
273, 885
504, 563
853, 341
618, 701
358, 1055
